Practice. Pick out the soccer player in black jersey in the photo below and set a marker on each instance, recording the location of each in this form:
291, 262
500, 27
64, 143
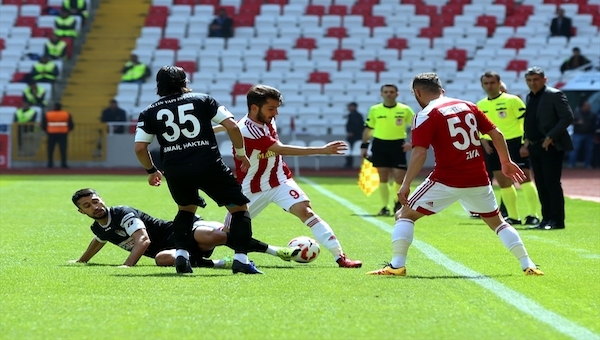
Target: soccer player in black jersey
181, 122
144, 235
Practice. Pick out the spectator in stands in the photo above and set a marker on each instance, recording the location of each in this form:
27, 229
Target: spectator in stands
221, 26
547, 117
583, 135
57, 123
23, 116
354, 129
561, 25
65, 25
113, 113
76, 7
55, 48
35, 95
135, 71
575, 61
44, 71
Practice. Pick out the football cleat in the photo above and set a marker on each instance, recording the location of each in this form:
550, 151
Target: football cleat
512, 221
532, 220
286, 253
397, 206
250, 268
384, 212
533, 272
345, 262
227, 262
183, 265
389, 270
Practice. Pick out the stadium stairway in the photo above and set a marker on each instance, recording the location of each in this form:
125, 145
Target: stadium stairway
94, 80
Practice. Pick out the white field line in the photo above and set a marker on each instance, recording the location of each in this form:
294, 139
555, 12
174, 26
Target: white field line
514, 298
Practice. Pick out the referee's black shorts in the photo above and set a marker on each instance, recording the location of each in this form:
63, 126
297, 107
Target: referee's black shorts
514, 145
388, 154
215, 180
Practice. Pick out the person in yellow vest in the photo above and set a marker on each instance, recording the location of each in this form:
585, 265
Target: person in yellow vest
135, 71
44, 71
24, 116
507, 112
35, 95
387, 123
55, 48
57, 124
65, 25
76, 7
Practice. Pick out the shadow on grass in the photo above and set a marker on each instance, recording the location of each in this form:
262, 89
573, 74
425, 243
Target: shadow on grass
372, 215
194, 275
83, 265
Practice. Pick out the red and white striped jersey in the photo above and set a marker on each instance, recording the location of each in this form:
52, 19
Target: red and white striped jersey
267, 169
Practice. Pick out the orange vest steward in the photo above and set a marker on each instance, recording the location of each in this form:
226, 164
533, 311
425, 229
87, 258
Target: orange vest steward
58, 121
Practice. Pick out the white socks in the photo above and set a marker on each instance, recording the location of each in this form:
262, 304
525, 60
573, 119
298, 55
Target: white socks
324, 235
272, 250
402, 237
182, 252
243, 258
510, 239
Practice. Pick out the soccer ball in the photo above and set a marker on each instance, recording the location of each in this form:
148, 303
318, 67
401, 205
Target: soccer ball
309, 249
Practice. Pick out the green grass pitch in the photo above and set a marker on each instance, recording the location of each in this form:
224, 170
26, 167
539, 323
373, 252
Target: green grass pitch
461, 284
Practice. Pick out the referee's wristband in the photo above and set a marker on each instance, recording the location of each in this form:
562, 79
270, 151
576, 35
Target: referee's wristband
364, 145
151, 170
240, 151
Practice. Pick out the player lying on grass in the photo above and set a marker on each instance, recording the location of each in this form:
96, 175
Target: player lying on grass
144, 235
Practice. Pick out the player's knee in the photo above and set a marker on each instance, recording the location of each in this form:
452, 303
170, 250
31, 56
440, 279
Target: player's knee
408, 212
165, 258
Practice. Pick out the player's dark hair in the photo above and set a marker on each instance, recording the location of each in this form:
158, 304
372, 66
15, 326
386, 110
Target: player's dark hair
259, 94
535, 70
427, 82
388, 85
490, 74
82, 193
171, 80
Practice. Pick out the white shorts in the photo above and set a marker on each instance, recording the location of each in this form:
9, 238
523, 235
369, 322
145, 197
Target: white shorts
432, 197
284, 195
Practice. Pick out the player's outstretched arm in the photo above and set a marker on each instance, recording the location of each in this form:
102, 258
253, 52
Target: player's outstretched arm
92, 249
141, 243
332, 148
509, 168
219, 128
238, 142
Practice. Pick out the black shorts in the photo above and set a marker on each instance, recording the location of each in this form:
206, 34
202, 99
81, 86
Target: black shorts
514, 145
388, 154
215, 180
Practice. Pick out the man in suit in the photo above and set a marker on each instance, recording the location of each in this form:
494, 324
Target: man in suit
547, 117
221, 26
561, 25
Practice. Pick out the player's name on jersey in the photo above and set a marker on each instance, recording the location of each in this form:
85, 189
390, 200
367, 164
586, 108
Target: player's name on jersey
179, 147
170, 101
265, 155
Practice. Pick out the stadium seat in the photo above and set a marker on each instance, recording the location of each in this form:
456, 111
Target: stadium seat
246, 21
376, 66
45, 32
155, 21
168, 44
15, 101
26, 22
318, 10
337, 10
319, 77
188, 66
362, 9
159, 11
460, 55
488, 22
452, 9
336, 32
517, 65
593, 9
515, 21
275, 54
515, 43
340, 55
431, 32
248, 9
428, 10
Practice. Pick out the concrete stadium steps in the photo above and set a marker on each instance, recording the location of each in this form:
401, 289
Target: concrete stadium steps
97, 73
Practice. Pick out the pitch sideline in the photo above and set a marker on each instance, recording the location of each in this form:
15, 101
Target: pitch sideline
518, 300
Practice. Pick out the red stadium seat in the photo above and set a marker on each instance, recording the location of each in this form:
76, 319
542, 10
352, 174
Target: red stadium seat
306, 43
248, 10
155, 21
443, 20
524, 10
15, 101
315, 10
517, 65
376, 66
516, 43
274, 54
596, 21
573, 31
374, 21
426, 10
589, 9
319, 77
458, 2
515, 21
431, 32
397, 44
69, 47
340, 55
229, 9
337, 10
244, 21
42, 32
188, 66
215, 3
19, 77
459, 55
336, 32
12, 2
412, 2
509, 4
487, 21
2, 44
452, 9
240, 89
252, 2
185, 2
367, 2
35, 2
278, 2
26, 22
159, 10
168, 44
361, 9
